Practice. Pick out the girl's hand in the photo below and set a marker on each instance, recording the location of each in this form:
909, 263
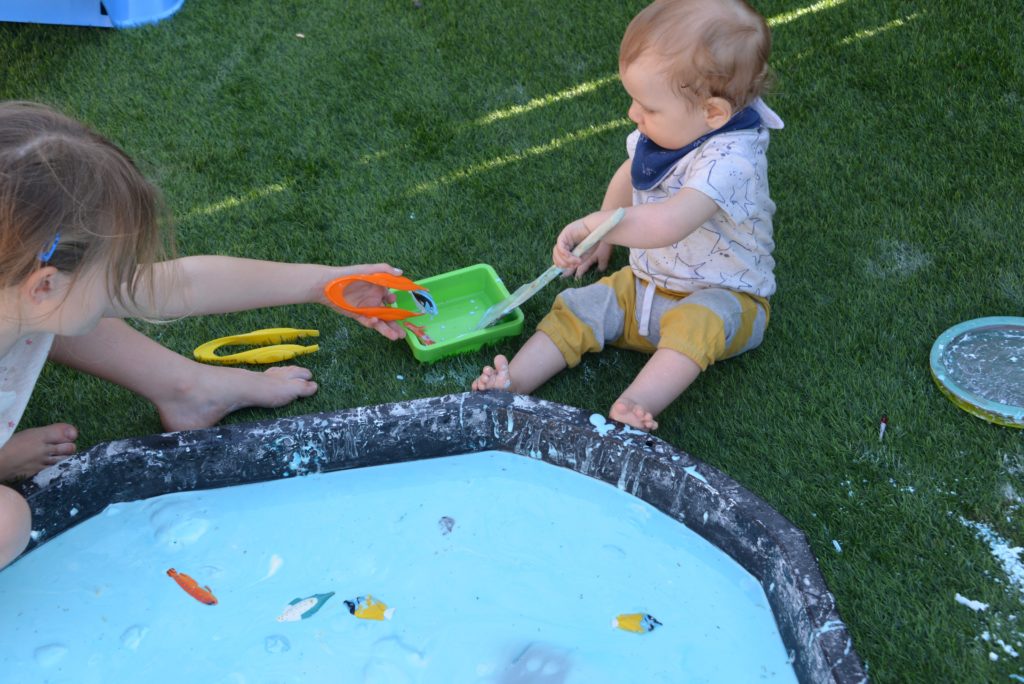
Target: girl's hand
361, 294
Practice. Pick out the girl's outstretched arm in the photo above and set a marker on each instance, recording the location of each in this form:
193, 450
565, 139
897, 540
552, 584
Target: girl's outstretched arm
199, 285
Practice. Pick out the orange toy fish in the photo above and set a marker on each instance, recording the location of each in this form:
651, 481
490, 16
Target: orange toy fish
201, 594
420, 332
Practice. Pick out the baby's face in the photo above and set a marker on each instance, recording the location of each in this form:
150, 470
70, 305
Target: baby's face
661, 114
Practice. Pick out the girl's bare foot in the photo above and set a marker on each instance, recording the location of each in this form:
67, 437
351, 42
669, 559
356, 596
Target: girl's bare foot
494, 378
29, 451
627, 411
214, 392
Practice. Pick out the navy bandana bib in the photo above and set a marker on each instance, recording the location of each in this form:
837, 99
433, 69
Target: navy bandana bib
652, 162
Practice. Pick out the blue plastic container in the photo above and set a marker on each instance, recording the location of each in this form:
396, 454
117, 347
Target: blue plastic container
105, 13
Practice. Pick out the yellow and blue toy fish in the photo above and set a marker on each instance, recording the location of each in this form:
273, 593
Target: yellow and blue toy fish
640, 623
368, 608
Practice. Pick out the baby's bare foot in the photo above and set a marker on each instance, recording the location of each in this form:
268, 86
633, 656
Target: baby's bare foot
494, 378
29, 451
215, 392
627, 411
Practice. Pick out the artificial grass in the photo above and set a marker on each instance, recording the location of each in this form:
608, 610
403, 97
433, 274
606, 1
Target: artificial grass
464, 132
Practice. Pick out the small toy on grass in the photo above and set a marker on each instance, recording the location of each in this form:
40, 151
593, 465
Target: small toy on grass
270, 354
201, 594
368, 608
335, 292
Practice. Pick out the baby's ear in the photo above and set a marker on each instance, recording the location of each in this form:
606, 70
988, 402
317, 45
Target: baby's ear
717, 112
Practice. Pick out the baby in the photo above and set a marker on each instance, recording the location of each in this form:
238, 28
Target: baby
699, 218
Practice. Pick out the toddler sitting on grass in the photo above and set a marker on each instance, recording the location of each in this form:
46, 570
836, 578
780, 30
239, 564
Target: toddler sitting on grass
699, 218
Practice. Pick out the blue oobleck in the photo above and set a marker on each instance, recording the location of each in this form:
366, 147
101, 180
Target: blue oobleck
500, 569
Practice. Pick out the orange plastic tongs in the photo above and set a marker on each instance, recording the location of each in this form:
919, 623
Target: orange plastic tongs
335, 292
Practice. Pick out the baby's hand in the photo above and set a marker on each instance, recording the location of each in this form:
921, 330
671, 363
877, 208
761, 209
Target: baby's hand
572, 235
600, 255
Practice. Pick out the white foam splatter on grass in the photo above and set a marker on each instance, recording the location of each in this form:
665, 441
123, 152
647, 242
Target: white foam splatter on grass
970, 603
1008, 556
1007, 648
897, 259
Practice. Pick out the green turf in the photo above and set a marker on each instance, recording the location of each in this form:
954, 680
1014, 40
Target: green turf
471, 131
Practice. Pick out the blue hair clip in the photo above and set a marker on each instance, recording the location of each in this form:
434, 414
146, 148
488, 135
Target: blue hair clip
48, 254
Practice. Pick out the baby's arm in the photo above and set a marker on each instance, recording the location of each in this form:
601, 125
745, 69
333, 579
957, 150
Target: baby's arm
618, 194
647, 226
217, 284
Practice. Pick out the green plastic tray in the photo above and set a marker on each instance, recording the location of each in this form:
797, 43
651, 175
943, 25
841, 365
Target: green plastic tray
462, 298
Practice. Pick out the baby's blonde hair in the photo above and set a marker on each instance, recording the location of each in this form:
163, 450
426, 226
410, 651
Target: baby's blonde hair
60, 178
714, 48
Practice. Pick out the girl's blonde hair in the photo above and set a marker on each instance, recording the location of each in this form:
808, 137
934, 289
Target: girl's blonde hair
715, 48
72, 199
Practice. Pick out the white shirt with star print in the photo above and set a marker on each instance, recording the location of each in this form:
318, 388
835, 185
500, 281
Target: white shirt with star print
19, 370
732, 250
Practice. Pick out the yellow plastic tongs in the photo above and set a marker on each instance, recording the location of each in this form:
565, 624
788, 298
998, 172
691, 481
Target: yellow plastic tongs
271, 354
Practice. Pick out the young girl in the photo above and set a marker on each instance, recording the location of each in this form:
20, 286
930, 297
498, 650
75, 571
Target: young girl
82, 246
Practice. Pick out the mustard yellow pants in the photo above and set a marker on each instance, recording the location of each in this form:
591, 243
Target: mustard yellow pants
706, 326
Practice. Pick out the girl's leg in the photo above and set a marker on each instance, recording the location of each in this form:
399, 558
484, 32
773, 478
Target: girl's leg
187, 394
15, 525
538, 361
29, 451
661, 380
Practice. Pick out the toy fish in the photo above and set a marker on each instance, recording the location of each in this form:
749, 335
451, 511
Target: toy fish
636, 622
420, 332
424, 302
201, 594
300, 609
368, 608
